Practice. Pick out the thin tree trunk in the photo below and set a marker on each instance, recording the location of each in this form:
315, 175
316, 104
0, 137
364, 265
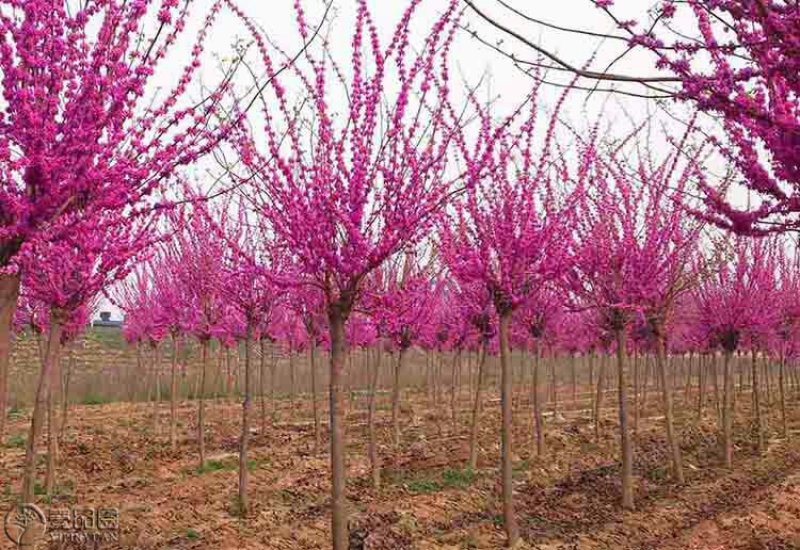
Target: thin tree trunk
715, 379
727, 411
246, 412
574, 370
625, 440
9, 294
636, 411
314, 404
261, 388
65, 393
536, 396
39, 407
52, 424
702, 369
201, 407
337, 407
782, 391
454, 387
173, 397
666, 395
757, 402
396, 397
374, 459
598, 402
554, 385
476, 410
157, 382
590, 358
506, 395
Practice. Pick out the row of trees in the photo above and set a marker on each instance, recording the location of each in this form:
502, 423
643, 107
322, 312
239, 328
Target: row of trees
376, 207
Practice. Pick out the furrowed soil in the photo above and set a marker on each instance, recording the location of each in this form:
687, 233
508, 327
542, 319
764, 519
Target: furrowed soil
112, 456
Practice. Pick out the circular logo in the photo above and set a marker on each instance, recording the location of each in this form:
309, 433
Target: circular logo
25, 525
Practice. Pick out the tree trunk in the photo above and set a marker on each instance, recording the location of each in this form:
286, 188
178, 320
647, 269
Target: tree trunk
314, 405
65, 393
201, 407
727, 411
574, 370
625, 440
396, 396
757, 402
476, 410
261, 389
666, 395
782, 391
636, 411
554, 385
157, 382
52, 424
173, 395
337, 406
40, 402
9, 294
590, 359
701, 384
715, 380
598, 402
506, 395
536, 395
374, 459
454, 387
246, 412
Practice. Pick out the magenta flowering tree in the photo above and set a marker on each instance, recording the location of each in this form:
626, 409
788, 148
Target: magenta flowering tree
729, 308
509, 233
737, 60
370, 184
69, 274
401, 301
194, 260
82, 130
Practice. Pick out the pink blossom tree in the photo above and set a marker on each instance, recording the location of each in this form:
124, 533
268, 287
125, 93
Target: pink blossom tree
371, 181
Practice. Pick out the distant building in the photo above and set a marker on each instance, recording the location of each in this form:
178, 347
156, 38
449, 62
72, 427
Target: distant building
106, 321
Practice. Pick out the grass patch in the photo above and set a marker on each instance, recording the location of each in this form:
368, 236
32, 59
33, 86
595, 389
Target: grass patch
214, 465
94, 399
16, 440
192, 534
15, 412
423, 486
458, 478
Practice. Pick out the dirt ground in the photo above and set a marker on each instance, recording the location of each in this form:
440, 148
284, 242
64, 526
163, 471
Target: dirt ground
567, 499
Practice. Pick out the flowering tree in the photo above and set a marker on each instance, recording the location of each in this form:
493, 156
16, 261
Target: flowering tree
369, 185
82, 129
69, 273
729, 309
737, 59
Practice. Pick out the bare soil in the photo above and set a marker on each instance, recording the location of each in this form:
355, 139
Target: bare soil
567, 499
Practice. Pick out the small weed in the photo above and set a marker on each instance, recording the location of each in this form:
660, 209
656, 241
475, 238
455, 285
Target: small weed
38, 489
192, 534
93, 399
16, 440
458, 478
423, 486
216, 466
15, 412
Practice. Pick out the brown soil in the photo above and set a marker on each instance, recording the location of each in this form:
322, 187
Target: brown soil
566, 500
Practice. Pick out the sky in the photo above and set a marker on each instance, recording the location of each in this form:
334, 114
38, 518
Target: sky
472, 59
